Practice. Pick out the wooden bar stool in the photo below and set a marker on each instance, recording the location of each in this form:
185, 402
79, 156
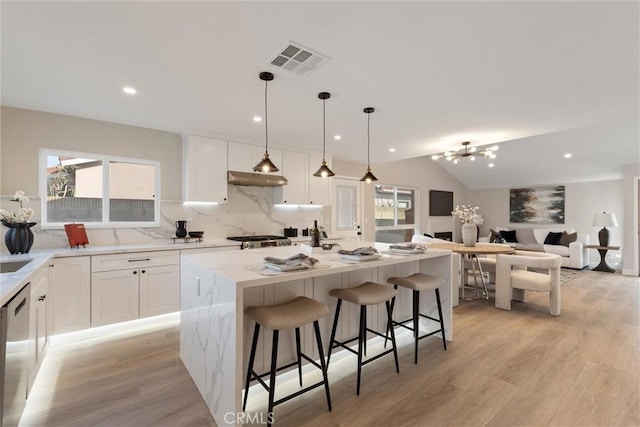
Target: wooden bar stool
419, 282
287, 315
363, 295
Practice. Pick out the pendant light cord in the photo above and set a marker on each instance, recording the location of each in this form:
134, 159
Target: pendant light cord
266, 120
324, 129
368, 142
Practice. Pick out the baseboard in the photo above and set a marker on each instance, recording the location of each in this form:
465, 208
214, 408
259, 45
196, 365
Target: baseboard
629, 272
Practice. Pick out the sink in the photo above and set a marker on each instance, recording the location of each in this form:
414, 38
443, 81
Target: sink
12, 266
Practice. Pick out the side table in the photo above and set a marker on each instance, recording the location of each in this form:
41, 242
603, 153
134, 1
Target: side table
602, 250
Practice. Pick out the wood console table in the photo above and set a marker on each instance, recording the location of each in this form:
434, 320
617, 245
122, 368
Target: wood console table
602, 250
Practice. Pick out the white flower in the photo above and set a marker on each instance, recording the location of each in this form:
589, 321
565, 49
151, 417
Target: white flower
468, 214
23, 215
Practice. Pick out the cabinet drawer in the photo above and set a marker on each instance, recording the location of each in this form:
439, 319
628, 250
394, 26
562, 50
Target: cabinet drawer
134, 260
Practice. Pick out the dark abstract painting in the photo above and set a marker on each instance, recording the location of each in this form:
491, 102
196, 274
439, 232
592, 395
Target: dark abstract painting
539, 205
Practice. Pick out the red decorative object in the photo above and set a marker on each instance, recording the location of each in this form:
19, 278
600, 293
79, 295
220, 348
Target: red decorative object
76, 234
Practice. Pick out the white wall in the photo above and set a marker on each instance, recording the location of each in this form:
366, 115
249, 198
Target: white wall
582, 201
631, 221
420, 172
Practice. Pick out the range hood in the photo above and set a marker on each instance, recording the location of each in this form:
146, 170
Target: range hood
255, 179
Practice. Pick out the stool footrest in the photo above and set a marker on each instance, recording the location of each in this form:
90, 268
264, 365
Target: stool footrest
298, 393
430, 333
343, 344
377, 356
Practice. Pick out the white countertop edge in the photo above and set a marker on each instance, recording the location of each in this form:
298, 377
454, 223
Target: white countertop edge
12, 283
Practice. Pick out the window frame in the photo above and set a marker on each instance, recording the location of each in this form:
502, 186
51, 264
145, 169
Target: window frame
396, 226
106, 160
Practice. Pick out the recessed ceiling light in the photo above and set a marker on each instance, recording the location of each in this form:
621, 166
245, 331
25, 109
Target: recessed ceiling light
129, 90
337, 137
490, 165
568, 155
392, 150
257, 119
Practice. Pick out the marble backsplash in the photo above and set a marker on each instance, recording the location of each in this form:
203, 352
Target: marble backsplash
249, 210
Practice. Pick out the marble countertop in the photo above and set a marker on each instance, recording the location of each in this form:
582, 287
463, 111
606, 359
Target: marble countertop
11, 283
246, 268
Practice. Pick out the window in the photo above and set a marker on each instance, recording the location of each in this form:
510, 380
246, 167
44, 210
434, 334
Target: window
99, 190
395, 212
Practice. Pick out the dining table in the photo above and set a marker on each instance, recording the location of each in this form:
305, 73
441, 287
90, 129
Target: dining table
472, 253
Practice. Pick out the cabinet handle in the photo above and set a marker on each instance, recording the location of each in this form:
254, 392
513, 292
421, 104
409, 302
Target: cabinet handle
198, 280
144, 271
42, 298
135, 272
140, 259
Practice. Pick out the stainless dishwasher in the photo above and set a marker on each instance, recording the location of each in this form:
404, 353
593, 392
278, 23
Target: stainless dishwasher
14, 357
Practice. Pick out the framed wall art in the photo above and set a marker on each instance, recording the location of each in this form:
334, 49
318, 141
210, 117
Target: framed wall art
537, 205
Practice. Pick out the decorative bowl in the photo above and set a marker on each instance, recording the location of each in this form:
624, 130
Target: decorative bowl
196, 234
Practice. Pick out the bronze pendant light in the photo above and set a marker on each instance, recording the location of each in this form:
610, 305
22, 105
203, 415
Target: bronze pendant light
266, 165
324, 170
368, 177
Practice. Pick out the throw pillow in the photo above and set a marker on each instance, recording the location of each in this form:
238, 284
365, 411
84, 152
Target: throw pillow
495, 236
567, 238
525, 236
552, 238
509, 236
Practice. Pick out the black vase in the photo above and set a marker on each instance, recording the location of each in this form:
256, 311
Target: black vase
19, 237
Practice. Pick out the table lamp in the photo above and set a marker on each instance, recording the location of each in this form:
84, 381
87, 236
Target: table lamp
604, 220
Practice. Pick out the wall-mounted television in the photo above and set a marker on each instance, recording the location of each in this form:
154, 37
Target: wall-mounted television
440, 203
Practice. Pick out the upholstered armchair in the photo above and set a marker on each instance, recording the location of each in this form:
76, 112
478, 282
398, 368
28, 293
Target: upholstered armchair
513, 279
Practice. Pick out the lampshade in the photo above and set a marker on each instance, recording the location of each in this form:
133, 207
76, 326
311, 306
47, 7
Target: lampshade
266, 165
605, 220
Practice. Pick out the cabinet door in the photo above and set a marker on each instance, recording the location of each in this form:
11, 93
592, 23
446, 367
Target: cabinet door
159, 290
114, 296
318, 187
38, 331
204, 169
295, 167
243, 157
70, 292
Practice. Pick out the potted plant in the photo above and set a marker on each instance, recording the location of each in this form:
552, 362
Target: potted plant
470, 219
19, 238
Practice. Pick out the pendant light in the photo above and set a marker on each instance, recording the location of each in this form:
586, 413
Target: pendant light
324, 170
368, 177
266, 165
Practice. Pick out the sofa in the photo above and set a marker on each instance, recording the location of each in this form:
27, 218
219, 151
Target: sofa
565, 242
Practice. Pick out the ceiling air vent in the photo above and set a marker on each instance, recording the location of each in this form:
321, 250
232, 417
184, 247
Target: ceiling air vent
298, 59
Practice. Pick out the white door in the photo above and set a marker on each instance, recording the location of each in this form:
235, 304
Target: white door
347, 208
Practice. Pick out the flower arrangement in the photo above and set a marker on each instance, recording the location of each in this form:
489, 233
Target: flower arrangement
468, 214
22, 216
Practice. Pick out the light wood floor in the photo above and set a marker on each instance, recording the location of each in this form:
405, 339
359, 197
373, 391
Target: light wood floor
522, 367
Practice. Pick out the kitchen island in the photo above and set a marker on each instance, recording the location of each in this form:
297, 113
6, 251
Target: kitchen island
215, 288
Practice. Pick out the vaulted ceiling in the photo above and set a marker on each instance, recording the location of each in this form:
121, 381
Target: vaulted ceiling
540, 78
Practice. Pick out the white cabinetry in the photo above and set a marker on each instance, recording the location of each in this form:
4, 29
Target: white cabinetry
70, 291
38, 322
129, 286
243, 157
295, 167
204, 169
303, 187
319, 188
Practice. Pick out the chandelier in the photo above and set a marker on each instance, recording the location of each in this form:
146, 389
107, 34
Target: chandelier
467, 152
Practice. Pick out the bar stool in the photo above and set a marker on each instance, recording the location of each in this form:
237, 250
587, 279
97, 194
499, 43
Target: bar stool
363, 295
419, 282
287, 315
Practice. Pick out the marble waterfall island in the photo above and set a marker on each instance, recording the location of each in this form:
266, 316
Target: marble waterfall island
215, 287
